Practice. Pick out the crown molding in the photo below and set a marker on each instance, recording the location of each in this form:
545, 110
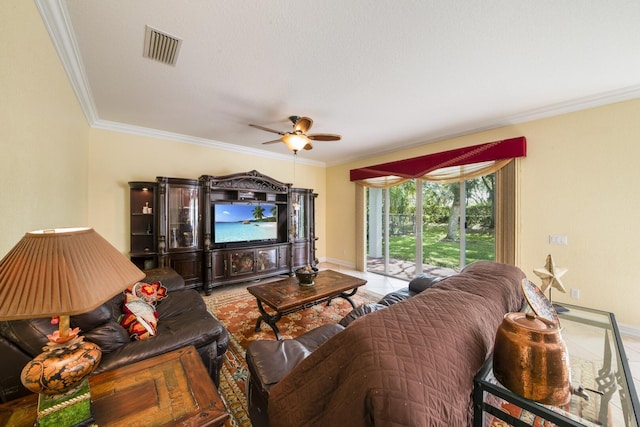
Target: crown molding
187, 139
56, 19
598, 100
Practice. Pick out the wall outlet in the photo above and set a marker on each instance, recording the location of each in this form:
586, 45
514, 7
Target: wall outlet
558, 239
575, 293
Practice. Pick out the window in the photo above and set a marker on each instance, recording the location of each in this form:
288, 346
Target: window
401, 219
432, 227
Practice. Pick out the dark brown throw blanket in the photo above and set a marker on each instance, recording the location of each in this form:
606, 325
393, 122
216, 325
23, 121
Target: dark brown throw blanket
411, 364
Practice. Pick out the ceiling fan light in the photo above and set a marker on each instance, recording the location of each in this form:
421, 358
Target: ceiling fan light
295, 142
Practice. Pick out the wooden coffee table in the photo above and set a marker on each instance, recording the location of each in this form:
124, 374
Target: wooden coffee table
287, 296
171, 389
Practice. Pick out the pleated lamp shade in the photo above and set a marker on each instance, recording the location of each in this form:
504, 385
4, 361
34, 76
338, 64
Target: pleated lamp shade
62, 272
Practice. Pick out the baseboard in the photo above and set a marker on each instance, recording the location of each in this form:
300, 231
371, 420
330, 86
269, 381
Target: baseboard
629, 331
339, 262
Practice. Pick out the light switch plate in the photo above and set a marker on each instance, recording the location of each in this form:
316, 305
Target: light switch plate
558, 239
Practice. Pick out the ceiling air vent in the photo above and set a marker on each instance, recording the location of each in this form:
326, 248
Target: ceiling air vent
161, 46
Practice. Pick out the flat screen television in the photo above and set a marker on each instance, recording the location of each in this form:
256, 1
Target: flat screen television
236, 222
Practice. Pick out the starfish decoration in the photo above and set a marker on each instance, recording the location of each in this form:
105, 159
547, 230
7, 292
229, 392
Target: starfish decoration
550, 275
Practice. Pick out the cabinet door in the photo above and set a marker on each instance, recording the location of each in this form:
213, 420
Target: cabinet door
284, 256
303, 226
218, 265
300, 254
299, 224
183, 215
189, 266
266, 259
241, 262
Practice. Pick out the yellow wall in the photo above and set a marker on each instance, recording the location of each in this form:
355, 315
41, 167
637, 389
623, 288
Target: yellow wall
579, 179
43, 132
57, 171
116, 158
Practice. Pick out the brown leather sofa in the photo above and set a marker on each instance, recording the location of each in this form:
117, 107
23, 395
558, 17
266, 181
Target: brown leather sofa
183, 320
270, 361
359, 372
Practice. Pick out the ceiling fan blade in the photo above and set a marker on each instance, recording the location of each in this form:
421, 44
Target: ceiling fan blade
272, 142
324, 137
303, 124
267, 129
308, 146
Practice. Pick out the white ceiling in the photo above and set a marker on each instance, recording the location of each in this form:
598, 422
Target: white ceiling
384, 74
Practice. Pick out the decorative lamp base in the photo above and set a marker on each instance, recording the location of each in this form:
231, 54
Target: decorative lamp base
69, 409
61, 366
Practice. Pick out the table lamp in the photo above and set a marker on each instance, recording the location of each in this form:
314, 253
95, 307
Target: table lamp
59, 273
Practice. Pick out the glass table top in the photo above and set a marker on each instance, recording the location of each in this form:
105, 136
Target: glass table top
598, 366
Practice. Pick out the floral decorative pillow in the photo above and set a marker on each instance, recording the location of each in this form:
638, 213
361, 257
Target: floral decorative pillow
152, 293
140, 317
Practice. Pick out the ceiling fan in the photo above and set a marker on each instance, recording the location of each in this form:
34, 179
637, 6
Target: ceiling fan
298, 139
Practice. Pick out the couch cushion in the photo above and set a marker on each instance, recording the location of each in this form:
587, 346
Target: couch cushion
270, 361
179, 302
423, 281
92, 319
30, 335
109, 337
359, 312
317, 336
169, 278
396, 297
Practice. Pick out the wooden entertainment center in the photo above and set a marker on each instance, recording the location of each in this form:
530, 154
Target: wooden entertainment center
179, 223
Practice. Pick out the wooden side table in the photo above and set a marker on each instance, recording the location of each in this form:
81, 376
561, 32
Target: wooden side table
170, 389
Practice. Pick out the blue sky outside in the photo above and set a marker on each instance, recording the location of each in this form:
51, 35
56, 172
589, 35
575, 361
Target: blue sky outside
237, 213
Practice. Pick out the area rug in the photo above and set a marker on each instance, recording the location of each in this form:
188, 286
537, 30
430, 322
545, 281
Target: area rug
238, 312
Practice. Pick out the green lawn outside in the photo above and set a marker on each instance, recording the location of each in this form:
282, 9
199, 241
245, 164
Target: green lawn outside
480, 246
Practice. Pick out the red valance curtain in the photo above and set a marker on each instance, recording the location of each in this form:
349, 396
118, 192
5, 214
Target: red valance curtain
483, 155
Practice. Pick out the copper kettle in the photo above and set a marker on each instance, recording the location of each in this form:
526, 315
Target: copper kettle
531, 359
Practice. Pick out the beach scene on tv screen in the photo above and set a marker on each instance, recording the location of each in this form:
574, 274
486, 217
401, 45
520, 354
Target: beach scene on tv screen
236, 223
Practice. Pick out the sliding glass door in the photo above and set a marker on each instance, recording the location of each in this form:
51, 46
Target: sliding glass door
423, 226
